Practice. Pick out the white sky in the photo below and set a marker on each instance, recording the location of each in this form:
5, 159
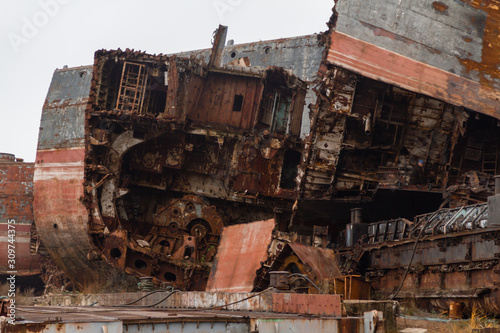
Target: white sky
38, 36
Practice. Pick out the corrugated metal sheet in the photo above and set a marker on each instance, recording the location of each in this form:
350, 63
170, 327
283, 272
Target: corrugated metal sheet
242, 249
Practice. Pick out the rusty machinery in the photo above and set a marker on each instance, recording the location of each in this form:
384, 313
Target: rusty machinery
153, 164
438, 259
175, 246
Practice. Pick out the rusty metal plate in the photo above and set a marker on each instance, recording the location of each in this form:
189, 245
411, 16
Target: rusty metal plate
323, 262
242, 248
307, 304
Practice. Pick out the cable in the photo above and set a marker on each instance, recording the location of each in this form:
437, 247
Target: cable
122, 305
147, 306
409, 264
148, 294
151, 305
137, 300
241, 300
308, 280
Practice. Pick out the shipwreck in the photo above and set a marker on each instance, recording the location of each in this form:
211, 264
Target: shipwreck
144, 159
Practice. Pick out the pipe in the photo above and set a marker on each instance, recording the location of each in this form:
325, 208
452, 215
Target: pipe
367, 120
356, 215
305, 277
218, 48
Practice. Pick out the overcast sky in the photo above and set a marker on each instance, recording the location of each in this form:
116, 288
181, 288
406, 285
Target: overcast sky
39, 36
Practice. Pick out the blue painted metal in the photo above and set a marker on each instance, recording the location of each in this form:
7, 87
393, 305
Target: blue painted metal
63, 116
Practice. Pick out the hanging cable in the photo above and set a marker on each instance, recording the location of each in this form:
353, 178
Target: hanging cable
409, 264
308, 280
241, 300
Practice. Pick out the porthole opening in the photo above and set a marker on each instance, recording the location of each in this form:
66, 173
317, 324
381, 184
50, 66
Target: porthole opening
115, 253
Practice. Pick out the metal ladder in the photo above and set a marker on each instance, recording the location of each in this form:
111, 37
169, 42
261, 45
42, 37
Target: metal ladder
132, 86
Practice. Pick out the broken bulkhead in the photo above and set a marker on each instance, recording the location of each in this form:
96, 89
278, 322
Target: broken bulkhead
150, 142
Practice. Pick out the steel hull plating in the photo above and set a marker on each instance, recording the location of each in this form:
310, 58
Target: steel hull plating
60, 215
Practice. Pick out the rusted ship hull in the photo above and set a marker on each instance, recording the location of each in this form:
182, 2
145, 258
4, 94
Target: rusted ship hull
61, 216
16, 215
445, 49
107, 185
171, 127
158, 152
394, 43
